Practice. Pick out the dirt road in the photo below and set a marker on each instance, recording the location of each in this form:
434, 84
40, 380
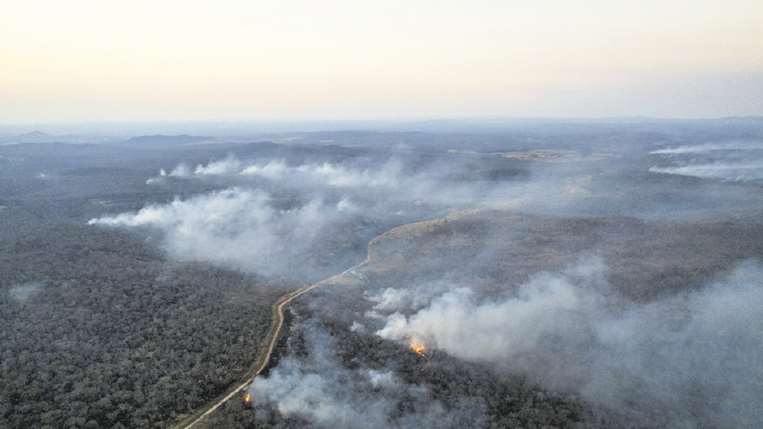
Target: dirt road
264, 358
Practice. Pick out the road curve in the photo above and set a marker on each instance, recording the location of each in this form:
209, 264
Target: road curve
264, 359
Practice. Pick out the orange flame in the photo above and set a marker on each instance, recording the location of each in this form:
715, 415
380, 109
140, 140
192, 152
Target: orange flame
247, 399
418, 347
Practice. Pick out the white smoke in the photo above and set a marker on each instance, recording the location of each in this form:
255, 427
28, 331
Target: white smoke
182, 170
507, 329
23, 292
273, 170
567, 331
732, 161
244, 228
235, 227
320, 390
403, 299
735, 172
387, 181
333, 175
327, 174
224, 167
709, 147
358, 327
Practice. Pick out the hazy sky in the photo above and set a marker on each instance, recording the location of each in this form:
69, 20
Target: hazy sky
96, 60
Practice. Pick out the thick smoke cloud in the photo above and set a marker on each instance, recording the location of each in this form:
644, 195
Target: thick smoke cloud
320, 390
320, 206
693, 359
509, 328
236, 227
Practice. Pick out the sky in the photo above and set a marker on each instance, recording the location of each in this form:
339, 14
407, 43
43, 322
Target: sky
138, 60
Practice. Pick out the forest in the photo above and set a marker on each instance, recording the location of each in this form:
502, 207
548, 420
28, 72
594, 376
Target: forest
545, 276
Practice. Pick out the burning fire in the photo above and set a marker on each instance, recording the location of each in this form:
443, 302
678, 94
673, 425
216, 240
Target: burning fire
247, 399
418, 347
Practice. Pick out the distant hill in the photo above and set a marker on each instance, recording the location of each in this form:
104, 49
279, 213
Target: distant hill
39, 137
35, 135
161, 139
32, 137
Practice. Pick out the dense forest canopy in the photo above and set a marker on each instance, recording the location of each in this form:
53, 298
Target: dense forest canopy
539, 266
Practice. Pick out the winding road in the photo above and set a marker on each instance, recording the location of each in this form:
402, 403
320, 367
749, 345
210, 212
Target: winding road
264, 358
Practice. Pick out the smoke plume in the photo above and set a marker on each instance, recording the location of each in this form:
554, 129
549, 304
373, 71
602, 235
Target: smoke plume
694, 358
732, 161
235, 227
323, 392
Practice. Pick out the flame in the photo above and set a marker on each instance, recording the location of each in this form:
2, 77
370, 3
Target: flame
418, 347
247, 399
